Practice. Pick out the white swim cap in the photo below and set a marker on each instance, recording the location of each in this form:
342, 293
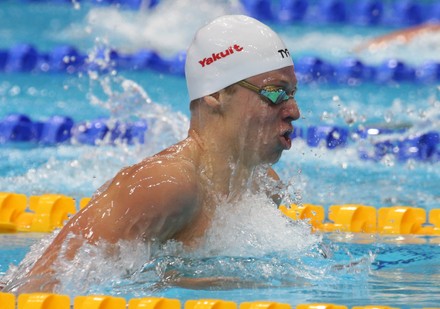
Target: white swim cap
229, 49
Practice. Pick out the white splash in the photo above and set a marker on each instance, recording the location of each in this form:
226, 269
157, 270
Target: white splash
255, 227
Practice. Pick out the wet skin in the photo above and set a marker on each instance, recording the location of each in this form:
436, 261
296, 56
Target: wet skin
173, 194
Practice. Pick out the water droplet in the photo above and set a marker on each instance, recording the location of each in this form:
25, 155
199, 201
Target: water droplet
15, 90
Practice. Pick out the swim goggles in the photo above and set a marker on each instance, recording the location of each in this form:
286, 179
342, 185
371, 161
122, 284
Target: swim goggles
276, 95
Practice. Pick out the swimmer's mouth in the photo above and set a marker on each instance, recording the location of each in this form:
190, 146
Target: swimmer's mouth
286, 139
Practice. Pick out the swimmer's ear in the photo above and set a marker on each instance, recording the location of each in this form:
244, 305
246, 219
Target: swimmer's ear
213, 101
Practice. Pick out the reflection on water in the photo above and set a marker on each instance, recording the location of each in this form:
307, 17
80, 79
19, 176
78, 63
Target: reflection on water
403, 285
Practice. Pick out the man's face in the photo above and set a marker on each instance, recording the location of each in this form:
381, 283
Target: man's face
263, 128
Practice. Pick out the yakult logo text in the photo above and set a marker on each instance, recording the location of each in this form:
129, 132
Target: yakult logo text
220, 55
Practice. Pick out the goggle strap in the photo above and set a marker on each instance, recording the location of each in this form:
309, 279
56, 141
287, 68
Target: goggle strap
249, 86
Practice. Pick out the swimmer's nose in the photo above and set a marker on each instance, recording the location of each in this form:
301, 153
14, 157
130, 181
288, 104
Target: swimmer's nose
290, 110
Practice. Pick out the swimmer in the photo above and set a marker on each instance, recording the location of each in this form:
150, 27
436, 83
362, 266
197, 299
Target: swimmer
403, 36
241, 83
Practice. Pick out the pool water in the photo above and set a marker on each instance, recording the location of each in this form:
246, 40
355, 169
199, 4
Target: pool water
274, 259
394, 272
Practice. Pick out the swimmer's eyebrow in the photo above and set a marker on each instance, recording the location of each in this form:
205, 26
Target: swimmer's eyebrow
285, 81
290, 86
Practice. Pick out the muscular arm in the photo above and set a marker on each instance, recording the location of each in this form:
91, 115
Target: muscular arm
153, 199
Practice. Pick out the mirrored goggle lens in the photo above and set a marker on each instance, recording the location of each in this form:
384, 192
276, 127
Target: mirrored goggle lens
275, 96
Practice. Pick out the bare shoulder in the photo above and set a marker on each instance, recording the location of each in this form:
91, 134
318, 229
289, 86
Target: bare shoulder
167, 181
155, 198
168, 175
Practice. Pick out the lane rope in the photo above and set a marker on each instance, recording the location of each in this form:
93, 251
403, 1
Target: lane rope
26, 58
47, 212
423, 147
60, 301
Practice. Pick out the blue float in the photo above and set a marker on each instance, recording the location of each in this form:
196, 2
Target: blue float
407, 148
22, 58
157, 63
350, 69
424, 148
143, 59
91, 132
292, 10
408, 13
65, 58
383, 148
176, 65
429, 146
43, 63
333, 10
332, 136
116, 131
55, 130
3, 59
313, 69
259, 9
153, 3
337, 137
140, 59
317, 134
129, 133
394, 70
434, 12
103, 60
428, 72
16, 128
135, 132
368, 12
